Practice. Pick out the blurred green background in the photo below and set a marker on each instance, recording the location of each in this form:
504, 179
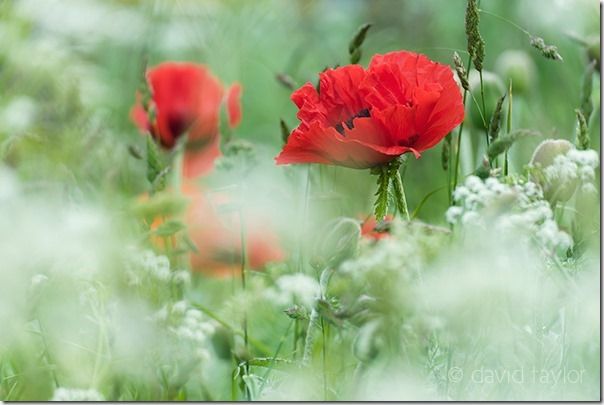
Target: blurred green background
69, 71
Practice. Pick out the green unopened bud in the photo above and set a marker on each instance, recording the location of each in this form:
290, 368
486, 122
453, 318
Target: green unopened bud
339, 242
369, 341
593, 50
493, 89
484, 170
518, 67
222, 341
543, 157
297, 312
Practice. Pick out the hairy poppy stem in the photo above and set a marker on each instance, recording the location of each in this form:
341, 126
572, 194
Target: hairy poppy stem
399, 192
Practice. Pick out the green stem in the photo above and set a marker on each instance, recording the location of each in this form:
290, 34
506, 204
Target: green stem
243, 255
324, 360
272, 363
509, 128
457, 152
310, 332
483, 107
259, 346
399, 194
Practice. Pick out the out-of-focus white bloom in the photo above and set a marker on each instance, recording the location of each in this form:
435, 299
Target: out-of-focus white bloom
298, 288
187, 324
510, 208
147, 264
181, 277
38, 280
76, 395
18, 115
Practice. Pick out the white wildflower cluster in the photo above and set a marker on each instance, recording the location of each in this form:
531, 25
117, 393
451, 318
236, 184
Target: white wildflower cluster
574, 167
508, 208
294, 288
405, 249
188, 325
147, 265
76, 395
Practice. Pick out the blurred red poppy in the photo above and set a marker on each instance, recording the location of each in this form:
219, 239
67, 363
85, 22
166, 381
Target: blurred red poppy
215, 229
372, 229
186, 100
360, 118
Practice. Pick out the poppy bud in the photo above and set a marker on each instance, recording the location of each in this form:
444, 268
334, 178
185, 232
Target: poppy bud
543, 157
593, 50
518, 67
222, 341
339, 242
368, 341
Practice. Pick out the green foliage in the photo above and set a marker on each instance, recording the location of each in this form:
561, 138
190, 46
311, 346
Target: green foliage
504, 142
380, 206
354, 48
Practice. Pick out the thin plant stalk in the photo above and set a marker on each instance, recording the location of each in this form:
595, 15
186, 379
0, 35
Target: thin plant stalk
399, 192
483, 107
457, 151
301, 252
509, 128
243, 255
310, 332
324, 359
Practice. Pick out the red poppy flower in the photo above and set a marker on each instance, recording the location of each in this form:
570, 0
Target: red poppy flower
372, 229
217, 236
186, 99
360, 118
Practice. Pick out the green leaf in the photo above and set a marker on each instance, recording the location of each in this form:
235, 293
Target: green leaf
169, 228
504, 142
495, 124
135, 152
266, 361
424, 200
587, 106
358, 39
160, 204
284, 130
155, 166
190, 244
382, 194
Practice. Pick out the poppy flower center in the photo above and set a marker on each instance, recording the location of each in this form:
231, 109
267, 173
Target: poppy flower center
349, 122
179, 125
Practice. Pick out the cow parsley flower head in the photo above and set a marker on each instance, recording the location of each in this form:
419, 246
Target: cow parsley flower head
509, 208
294, 288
